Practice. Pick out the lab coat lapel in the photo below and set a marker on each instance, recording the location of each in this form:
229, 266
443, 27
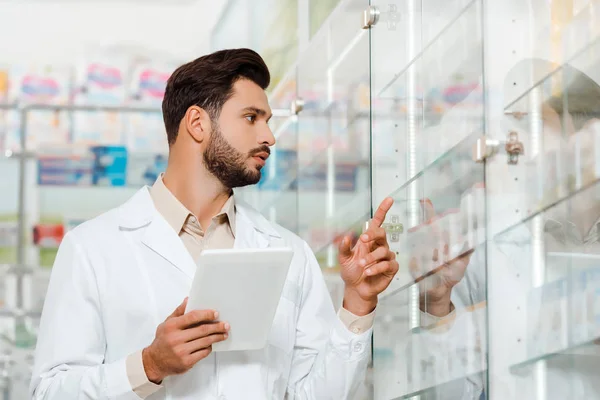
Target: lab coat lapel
162, 239
158, 236
252, 229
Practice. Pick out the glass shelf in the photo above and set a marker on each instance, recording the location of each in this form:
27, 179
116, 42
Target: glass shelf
586, 191
566, 356
460, 154
468, 15
440, 389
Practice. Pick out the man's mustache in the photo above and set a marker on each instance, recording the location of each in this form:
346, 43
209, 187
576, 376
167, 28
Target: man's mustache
261, 149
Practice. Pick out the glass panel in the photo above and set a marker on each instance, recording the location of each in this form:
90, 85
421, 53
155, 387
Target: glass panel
547, 250
333, 133
430, 336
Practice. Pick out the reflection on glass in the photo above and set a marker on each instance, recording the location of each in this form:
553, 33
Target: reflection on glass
430, 337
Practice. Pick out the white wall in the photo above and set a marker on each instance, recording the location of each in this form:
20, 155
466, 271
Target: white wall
59, 31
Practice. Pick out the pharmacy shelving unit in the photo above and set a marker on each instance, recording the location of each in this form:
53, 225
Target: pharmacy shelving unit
26, 266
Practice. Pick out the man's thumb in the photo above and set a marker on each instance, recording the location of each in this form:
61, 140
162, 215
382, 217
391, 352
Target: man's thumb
345, 249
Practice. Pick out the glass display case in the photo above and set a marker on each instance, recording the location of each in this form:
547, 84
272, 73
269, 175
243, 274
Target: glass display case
480, 119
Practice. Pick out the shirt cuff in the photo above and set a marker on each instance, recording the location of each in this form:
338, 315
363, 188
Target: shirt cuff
354, 323
137, 376
429, 321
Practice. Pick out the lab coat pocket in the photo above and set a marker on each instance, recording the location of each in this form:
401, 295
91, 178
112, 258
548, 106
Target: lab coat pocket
280, 348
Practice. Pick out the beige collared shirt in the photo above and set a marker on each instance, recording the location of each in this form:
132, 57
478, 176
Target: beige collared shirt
219, 235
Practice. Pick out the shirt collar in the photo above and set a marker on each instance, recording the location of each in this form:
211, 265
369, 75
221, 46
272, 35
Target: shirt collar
176, 214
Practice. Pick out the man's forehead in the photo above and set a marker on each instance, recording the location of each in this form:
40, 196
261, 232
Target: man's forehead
248, 94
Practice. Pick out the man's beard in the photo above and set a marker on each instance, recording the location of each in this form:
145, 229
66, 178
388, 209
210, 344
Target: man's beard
229, 165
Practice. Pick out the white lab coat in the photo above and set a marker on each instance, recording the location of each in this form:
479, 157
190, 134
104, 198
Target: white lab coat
118, 276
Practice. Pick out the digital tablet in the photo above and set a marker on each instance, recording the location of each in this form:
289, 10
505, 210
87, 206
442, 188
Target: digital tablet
244, 286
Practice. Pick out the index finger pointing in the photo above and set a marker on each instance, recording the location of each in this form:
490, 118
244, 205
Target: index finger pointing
382, 211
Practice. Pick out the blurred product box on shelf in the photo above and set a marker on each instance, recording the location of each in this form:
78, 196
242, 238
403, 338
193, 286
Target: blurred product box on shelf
548, 324
280, 170
46, 127
65, 170
110, 165
48, 235
315, 177
148, 83
39, 85
100, 80
10, 130
145, 132
101, 166
97, 127
8, 233
4, 83
144, 169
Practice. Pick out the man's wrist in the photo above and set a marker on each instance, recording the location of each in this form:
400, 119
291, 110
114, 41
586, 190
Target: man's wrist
150, 369
438, 308
358, 306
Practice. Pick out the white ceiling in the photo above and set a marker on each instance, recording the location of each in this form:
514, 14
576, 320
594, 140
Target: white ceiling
50, 31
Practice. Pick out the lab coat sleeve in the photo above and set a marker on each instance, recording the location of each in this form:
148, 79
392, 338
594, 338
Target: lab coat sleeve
69, 359
329, 361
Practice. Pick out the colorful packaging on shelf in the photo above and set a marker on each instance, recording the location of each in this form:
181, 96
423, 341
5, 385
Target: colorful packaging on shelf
144, 169
48, 235
40, 85
65, 170
101, 82
148, 84
110, 165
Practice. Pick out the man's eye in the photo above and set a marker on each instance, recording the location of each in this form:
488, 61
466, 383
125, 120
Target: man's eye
251, 118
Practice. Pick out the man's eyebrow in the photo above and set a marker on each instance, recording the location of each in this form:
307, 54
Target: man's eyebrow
258, 111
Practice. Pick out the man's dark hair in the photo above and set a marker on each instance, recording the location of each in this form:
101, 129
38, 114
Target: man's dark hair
208, 83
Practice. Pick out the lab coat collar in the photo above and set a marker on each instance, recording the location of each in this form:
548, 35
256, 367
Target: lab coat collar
252, 229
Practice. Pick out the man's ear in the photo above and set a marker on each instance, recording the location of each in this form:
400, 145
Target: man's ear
197, 123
